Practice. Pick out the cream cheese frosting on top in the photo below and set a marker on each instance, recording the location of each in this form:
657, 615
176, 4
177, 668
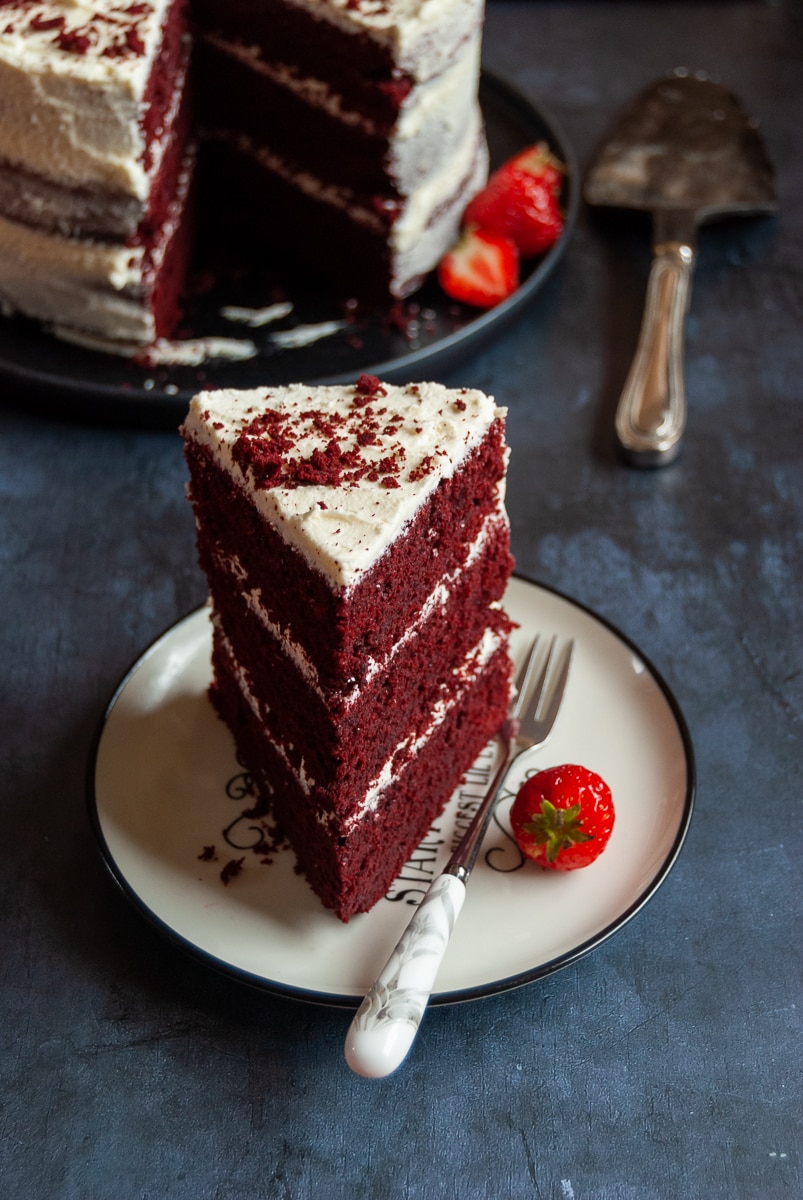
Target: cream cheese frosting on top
341, 470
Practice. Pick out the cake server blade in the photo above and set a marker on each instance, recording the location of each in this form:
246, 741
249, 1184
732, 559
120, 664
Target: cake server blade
687, 152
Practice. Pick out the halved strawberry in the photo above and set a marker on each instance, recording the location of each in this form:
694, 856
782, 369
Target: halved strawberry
521, 201
481, 269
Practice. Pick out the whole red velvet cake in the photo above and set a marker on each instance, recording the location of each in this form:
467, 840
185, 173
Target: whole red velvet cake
357, 549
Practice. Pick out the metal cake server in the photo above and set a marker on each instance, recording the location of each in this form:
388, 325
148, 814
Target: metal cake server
687, 152
386, 1023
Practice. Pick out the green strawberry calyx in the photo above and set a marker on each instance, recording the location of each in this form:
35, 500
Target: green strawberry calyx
556, 829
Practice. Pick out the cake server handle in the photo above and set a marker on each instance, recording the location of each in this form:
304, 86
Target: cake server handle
651, 415
386, 1023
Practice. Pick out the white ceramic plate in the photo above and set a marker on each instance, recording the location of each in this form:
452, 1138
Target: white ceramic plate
165, 783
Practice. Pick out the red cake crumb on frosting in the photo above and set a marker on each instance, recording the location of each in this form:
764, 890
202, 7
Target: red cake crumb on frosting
359, 646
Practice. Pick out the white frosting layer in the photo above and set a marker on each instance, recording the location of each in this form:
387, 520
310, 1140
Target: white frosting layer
90, 286
343, 530
431, 219
76, 117
438, 120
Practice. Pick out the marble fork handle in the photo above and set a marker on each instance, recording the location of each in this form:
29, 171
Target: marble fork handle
651, 416
386, 1023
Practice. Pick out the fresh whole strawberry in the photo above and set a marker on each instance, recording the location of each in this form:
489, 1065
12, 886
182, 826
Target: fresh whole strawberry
521, 201
481, 269
562, 817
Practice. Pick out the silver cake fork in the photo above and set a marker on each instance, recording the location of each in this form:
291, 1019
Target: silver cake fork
387, 1021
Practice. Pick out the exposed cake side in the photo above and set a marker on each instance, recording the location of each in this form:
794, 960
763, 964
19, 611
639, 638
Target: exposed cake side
367, 113
228, 578
351, 865
348, 131
312, 718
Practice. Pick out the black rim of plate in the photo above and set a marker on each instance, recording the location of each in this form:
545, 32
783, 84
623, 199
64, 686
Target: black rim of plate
84, 384
477, 992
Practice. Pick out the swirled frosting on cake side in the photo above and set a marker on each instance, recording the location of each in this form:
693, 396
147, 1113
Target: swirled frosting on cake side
82, 71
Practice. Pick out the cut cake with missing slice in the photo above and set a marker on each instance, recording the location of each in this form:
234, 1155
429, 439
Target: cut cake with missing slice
344, 135
357, 549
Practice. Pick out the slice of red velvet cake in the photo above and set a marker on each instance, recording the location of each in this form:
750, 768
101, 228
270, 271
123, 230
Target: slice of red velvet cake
347, 130
357, 549
95, 165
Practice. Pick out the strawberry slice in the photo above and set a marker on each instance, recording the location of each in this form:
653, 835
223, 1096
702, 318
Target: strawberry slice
481, 269
521, 201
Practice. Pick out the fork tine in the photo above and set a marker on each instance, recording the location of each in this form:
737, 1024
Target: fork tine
519, 735
540, 698
534, 679
532, 693
556, 689
524, 675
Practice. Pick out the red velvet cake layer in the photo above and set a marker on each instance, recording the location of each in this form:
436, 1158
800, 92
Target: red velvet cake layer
166, 231
351, 866
177, 155
169, 250
236, 99
359, 68
167, 79
269, 214
343, 739
340, 631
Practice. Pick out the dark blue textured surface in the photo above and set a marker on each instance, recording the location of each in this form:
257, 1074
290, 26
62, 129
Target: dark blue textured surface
667, 1064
